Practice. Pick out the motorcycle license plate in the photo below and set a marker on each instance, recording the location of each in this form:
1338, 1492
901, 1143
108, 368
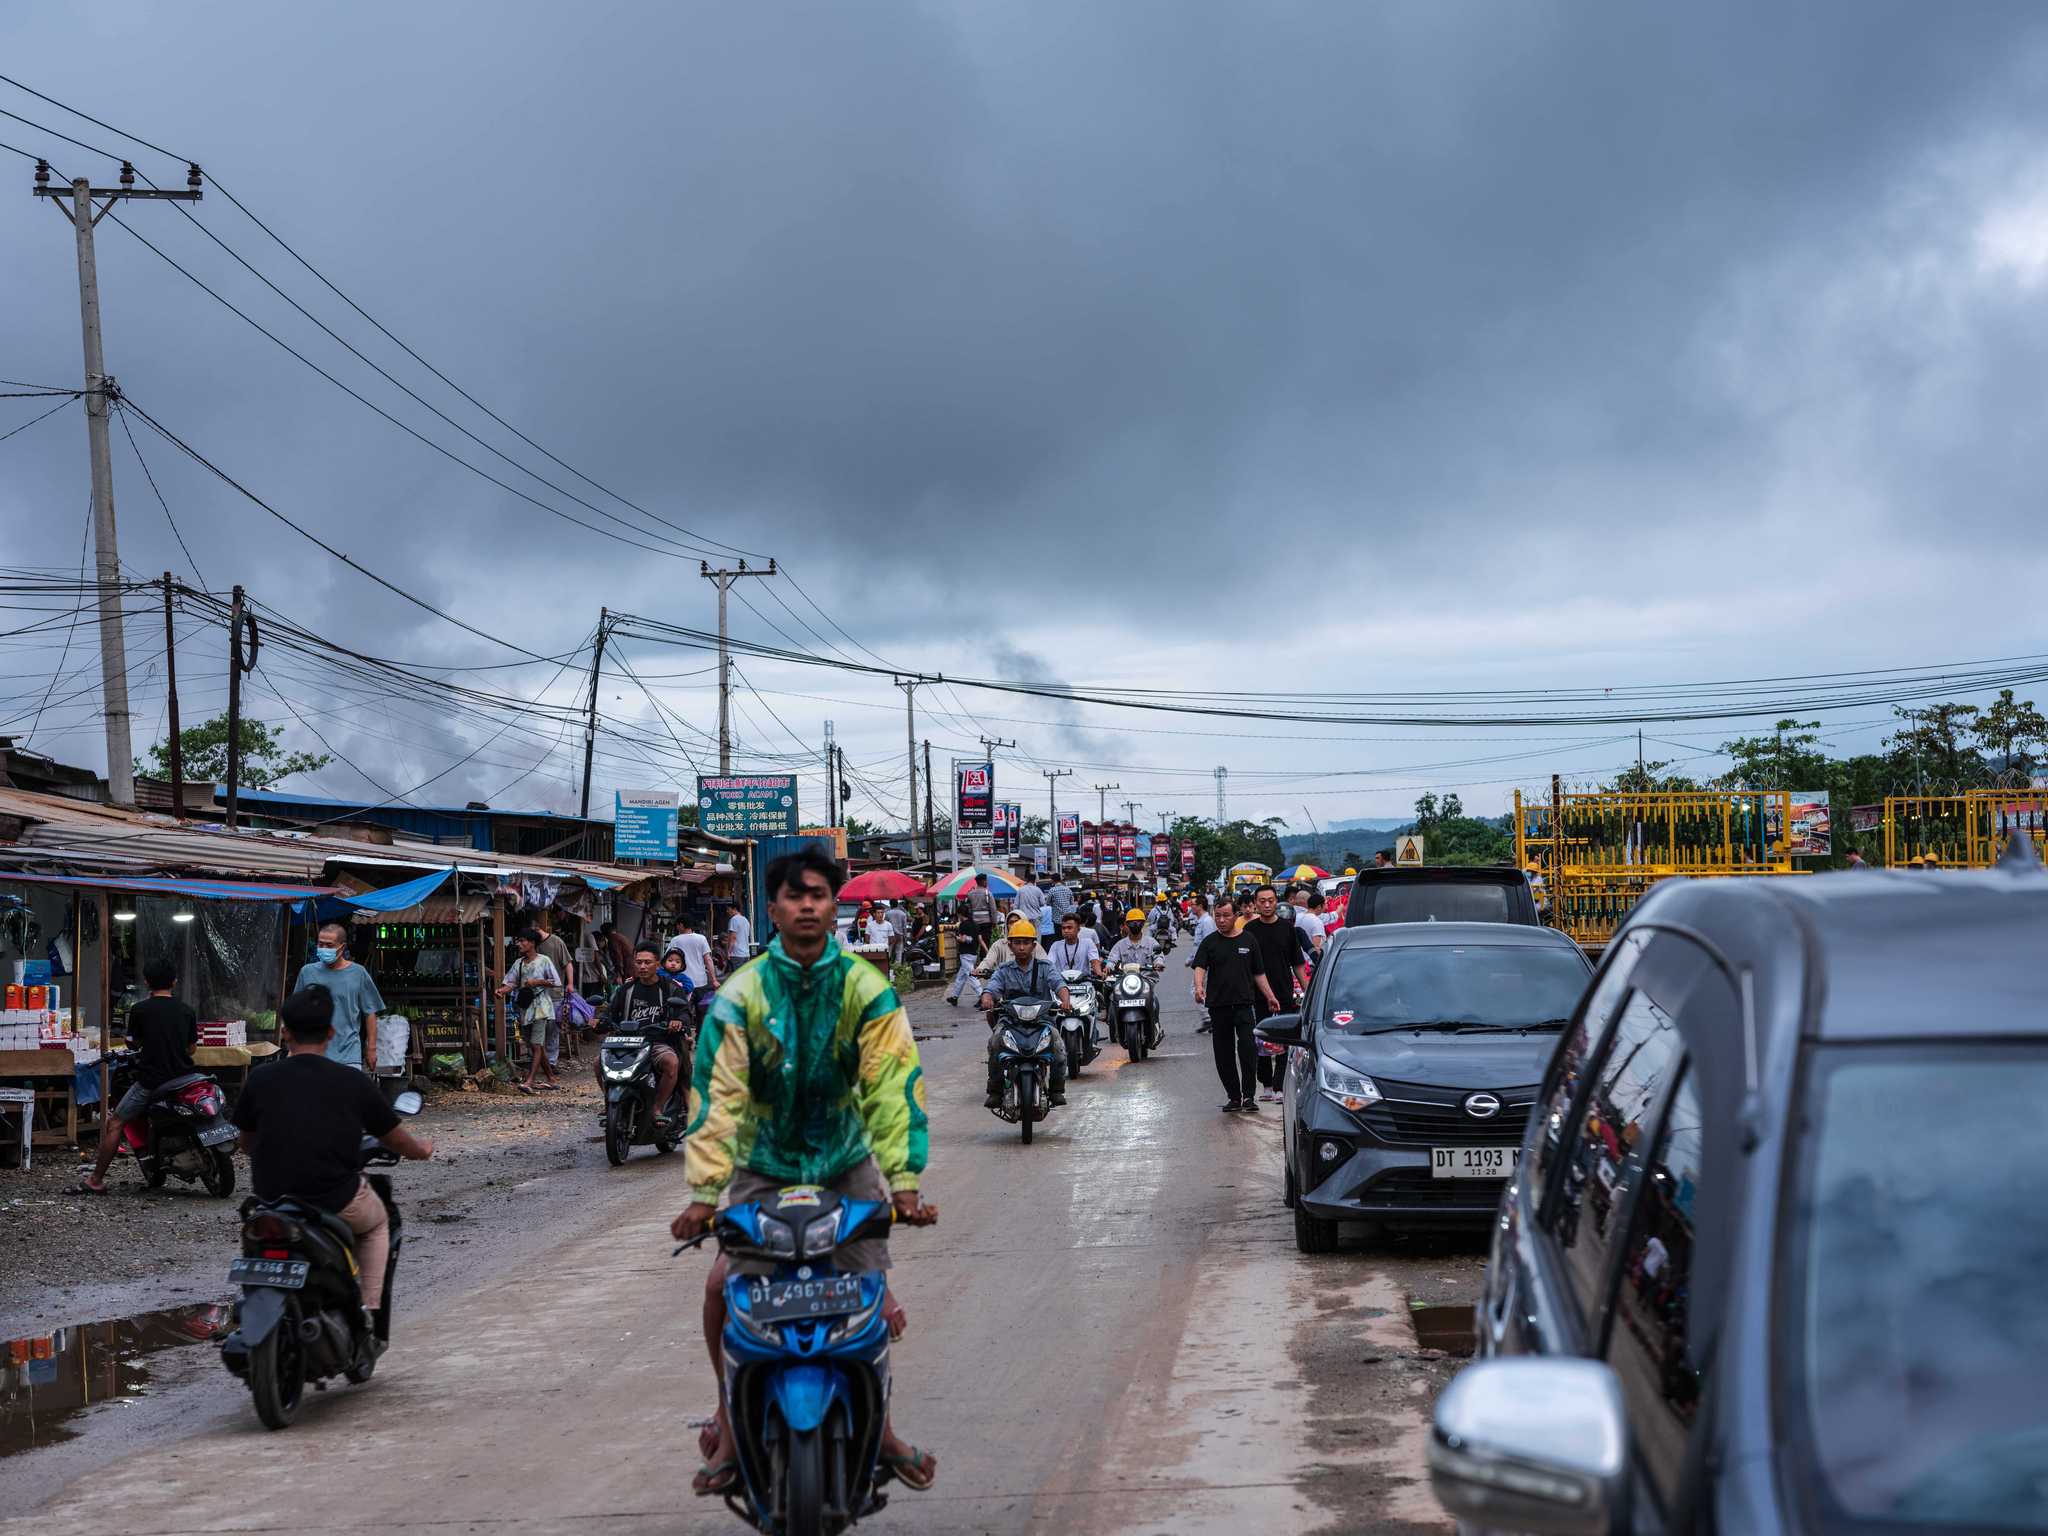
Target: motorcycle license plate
1473, 1162
789, 1301
285, 1274
214, 1135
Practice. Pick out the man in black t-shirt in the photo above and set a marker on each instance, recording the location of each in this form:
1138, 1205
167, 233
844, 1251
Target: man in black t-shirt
655, 1005
303, 1120
161, 1032
1279, 946
1230, 981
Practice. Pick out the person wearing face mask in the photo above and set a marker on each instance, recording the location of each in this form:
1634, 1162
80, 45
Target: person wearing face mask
356, 999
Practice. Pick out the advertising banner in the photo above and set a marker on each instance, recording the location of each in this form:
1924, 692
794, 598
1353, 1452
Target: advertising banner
1187, 859
644, 824
1069, 831
1127, 845
1143, 855
747, 804
1014, 826
1162, 854
1809, 835
974, 797
1087, 845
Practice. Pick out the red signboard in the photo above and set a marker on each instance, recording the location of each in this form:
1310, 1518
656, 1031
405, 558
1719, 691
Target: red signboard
1187, 858
1162, 854
1127, 845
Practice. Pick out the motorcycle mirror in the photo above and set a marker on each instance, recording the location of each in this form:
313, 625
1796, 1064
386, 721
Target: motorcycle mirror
408, 1103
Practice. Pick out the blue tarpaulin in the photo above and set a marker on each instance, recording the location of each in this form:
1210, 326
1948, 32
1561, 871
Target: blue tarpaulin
396, 898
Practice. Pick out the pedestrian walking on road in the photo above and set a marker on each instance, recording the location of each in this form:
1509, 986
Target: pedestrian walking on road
978, 910
356, 999
535, 987
558, 955
1280, 955
1230, 981
739, 941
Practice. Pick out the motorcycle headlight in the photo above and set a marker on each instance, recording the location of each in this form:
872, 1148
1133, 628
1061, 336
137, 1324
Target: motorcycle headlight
822, 1235
1131, 986
1342, 1086
1012, 1041
778, 1238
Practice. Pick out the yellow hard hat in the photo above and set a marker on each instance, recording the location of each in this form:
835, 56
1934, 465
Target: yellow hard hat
1161, 897
1021, 928
1349, 870
1135, 915
1932, 860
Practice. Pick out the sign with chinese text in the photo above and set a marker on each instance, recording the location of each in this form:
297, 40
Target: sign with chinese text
747, 804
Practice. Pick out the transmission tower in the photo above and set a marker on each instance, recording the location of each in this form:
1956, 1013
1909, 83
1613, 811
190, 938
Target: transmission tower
1221, 775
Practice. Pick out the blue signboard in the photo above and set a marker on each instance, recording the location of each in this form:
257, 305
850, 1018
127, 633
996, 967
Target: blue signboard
747, 804
644, 825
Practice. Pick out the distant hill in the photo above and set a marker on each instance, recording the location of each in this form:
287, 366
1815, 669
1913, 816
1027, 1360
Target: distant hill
1371, 824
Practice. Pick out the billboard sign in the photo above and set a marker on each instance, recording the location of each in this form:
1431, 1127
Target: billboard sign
1015, 827
974, 797
1162, 854
1187, 859
1069, 831
1088, 844
1127, 845
747, 804
1809, 836
644, 824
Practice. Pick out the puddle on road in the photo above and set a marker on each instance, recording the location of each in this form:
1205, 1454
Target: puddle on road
51, 1378
1448, 1328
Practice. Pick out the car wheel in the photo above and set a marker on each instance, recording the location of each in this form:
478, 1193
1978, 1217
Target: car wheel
1312, 1234
1289, 1197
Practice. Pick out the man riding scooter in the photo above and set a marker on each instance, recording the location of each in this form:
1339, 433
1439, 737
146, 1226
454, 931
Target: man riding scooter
654, 1004
854, 1122
1024, 975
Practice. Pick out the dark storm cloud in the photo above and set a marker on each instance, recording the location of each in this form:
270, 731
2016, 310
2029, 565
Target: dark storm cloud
1242, 308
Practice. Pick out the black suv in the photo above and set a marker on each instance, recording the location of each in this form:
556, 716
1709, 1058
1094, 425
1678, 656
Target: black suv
1773, 1259
1415, 1059
1441, 893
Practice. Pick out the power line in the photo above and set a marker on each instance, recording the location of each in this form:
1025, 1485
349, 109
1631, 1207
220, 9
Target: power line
129, 432
45, 416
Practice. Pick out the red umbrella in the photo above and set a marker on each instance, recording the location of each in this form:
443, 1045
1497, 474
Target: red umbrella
881, 885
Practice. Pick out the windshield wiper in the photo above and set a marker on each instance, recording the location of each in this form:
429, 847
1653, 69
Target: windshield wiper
1469, 1026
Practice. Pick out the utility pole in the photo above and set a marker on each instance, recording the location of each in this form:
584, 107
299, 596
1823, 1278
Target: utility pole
171, 706
1102, 803
1318, 831
237, 665
100, 393
1052, 815
1221, 775
725, 579
831, 780
931, 838
909, 687
604, 619
1131, 810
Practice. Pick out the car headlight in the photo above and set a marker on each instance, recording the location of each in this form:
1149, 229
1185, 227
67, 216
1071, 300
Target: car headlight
777, 1238
1340, 1085
822, 1235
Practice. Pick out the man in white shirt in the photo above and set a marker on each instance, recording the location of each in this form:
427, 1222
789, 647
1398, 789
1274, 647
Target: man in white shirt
1074, 949
1304, 919
1205, 924
696, 952
739, 940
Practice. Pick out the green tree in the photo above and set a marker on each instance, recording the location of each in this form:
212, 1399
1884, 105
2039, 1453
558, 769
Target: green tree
1650, 779
1789, 758
2011, 728
1929, 747
205, 750
1036, 829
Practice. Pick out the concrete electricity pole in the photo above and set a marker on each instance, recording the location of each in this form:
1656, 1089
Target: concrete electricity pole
909, 687
831, 781
725, 579
1102, 804
100, 393
604, 622
1052, 813
1221, 775
1131, 810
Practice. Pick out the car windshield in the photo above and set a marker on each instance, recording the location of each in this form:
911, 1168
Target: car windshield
1379, 987
1440, 901
1915, 1317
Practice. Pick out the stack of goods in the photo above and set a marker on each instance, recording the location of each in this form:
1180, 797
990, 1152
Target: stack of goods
224, 1032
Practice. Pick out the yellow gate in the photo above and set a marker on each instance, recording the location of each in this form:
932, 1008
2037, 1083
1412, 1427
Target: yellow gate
1593, 853
1964, 831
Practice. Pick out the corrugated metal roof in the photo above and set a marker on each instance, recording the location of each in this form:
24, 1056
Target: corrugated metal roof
67, 834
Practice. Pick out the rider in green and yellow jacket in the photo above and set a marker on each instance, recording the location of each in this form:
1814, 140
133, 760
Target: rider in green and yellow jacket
805, 1073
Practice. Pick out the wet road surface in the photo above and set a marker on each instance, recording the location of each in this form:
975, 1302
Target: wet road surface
1111, 1331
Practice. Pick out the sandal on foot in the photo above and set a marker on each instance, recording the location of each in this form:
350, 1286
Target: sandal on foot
711, 1481
911, 1471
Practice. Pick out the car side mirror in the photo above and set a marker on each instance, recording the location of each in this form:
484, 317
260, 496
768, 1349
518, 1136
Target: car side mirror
407, 1103
1281, 1029
1533, 1445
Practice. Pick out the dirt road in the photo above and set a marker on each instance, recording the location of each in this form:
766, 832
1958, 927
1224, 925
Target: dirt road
1110, 1332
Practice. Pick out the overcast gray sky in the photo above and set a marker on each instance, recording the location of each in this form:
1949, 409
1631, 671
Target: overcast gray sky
1303, 347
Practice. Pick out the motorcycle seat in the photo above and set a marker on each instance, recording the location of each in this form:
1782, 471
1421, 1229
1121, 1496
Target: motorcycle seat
313, 1216
177, 1083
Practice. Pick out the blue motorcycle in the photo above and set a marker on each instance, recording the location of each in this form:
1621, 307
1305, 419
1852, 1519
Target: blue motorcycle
806, 1362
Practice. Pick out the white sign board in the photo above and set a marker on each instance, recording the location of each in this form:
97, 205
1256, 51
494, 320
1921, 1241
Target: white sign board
1408, 849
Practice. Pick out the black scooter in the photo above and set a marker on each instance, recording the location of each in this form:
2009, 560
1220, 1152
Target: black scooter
300, 1318
1135, 1006
625, 1064
1025, 1043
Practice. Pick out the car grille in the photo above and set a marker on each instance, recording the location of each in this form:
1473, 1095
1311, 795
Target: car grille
1416, 1115
1413, 1188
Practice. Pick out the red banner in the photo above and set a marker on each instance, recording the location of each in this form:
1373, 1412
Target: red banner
1187, 858
1087, 842
1127, 845
1162, 854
